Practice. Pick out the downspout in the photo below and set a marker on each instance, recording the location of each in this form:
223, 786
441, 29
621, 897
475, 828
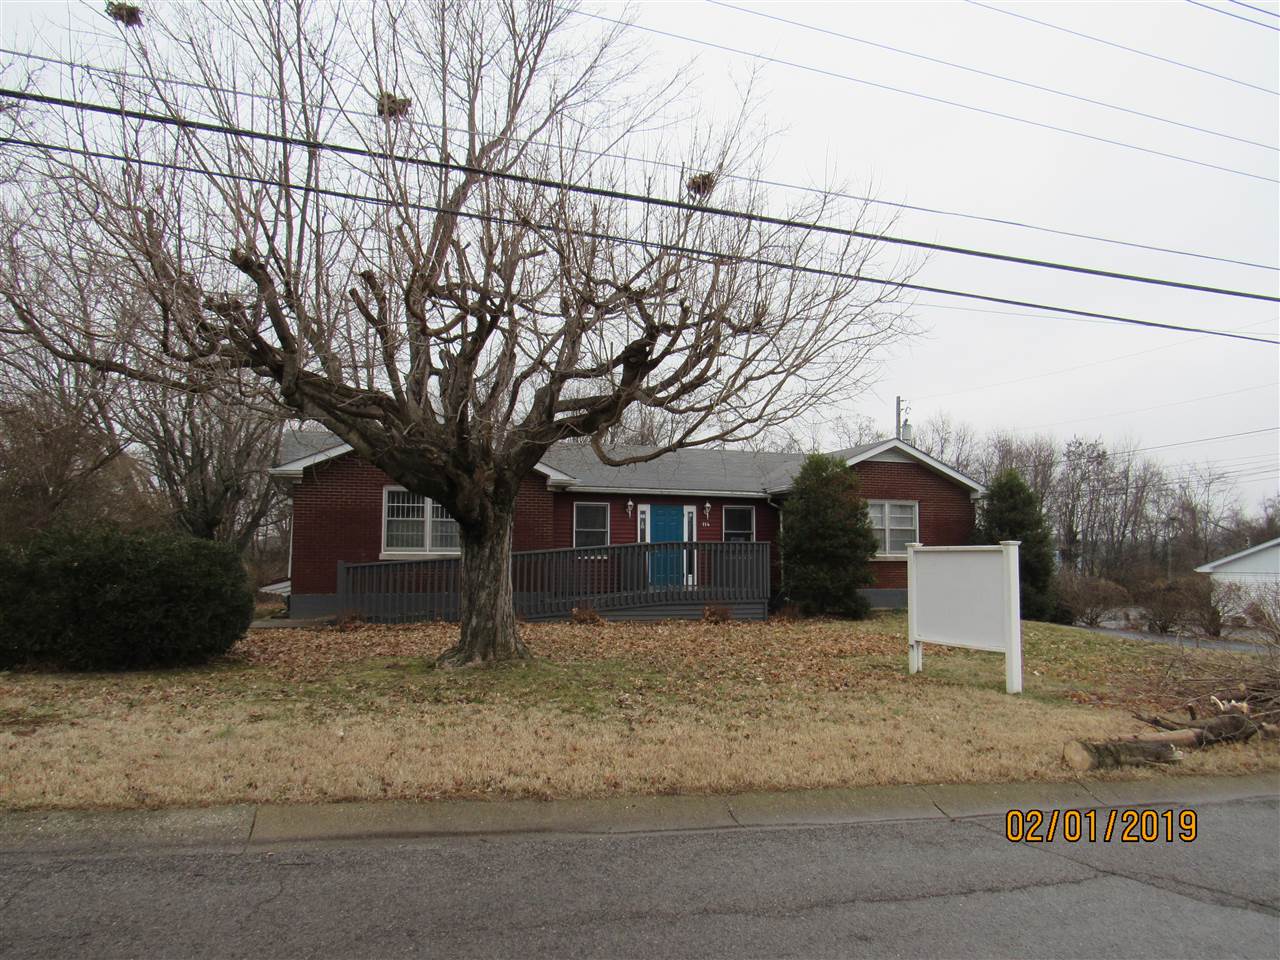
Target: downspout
782, 567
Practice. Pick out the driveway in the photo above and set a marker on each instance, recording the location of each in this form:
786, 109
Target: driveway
1187, 643
936, 886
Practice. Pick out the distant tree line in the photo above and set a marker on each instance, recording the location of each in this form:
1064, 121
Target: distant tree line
1114, 512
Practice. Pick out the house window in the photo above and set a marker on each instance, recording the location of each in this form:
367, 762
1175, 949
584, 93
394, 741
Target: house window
414, 524
590, 524
739, 524
444, 530
895, 523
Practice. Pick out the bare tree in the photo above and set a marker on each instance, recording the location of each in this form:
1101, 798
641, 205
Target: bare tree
61, 460
956, 443
433, 292
209, 458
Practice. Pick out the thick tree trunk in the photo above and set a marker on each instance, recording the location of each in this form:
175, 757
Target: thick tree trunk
1085, 755
488, 614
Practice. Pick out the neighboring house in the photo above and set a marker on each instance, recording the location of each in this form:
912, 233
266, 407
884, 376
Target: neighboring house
1247, 570
347, 512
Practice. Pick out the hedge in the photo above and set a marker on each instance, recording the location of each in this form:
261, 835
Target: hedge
106, 599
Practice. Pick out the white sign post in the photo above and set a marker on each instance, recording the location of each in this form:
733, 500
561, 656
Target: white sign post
965, 597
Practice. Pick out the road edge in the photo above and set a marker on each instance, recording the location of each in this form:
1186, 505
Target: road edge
262, 826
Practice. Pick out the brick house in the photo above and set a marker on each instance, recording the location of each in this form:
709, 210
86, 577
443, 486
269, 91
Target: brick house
347, 512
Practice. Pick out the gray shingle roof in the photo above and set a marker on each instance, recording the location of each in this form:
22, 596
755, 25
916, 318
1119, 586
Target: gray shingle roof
696, 470
297, 443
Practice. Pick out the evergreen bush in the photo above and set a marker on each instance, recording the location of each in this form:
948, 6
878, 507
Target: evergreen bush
105, 599
1012, 511
827, 540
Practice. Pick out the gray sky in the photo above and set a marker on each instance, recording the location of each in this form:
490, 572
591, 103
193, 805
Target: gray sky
905, 149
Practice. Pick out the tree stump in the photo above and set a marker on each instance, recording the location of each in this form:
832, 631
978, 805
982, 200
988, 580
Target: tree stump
1083, 755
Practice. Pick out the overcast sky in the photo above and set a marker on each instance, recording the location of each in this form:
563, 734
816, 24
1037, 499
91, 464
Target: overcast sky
1097, 379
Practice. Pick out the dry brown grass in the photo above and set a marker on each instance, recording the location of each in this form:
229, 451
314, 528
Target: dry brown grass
346, 714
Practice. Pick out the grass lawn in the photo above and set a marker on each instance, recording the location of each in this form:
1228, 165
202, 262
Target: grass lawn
347, 714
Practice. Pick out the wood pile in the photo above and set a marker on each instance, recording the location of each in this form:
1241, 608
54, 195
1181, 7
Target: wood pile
1210, 720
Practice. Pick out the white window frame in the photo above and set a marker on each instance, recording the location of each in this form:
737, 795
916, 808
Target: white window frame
690, 536
410, 553
724, 512
608, 523
885, 506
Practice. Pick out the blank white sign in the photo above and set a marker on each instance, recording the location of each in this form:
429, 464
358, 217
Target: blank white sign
953, 591
965, 597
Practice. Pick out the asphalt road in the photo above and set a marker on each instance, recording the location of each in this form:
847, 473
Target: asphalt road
925, 888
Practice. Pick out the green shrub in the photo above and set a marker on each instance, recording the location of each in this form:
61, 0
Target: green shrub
827, 540
104, 599
12, 609
1012, 511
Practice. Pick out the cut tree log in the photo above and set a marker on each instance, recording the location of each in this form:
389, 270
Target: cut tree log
1223, 728
1179, 738
1083, 755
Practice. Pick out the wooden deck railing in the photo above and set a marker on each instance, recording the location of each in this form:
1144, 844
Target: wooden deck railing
549, 583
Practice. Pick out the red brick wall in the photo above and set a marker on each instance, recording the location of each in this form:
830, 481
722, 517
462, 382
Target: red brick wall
623, 529
534, 511
337, 515
946, 511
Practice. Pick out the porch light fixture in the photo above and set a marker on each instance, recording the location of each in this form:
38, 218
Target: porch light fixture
706, 510
631, 505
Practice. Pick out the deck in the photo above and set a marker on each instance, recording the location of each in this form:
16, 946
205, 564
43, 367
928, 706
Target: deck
644, 581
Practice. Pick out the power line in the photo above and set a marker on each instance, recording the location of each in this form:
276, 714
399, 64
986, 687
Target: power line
1072, 369
991, 74
1199, 440
1121, 46
634, 241
917, 208
1158, 406
986, 311
1250, 6
1233, 16
930, 97
310, 144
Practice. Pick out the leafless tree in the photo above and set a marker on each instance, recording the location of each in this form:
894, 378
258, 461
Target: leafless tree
435, 295
61, 460
209, 458
955, 443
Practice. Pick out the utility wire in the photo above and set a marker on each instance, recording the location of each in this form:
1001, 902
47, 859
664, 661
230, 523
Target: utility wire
310, 144
1072, 369
917, 208
810, 68
1121, 46
1250, 6
1158, 406
635, 241
1234, 16
987, 311
990, 74
1188, 443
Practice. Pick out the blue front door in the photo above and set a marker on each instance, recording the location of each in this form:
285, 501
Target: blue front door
666, 564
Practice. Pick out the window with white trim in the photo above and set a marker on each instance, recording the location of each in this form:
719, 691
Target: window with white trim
416, 524
739, 524
896, 524
590, 524
444, 530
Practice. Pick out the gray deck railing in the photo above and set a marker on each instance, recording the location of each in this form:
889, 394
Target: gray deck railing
550, 583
